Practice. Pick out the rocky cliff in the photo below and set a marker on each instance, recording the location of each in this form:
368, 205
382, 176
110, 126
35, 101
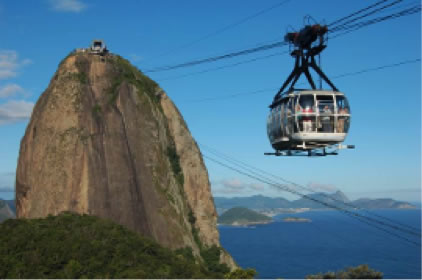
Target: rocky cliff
105, 140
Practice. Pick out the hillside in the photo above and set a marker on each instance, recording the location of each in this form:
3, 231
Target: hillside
242, 216
82, 246
105, 140
382, 203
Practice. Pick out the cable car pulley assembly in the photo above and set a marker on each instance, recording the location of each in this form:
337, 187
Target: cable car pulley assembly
308, 122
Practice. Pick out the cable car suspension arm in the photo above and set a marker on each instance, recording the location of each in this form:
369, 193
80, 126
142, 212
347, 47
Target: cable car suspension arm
304, 54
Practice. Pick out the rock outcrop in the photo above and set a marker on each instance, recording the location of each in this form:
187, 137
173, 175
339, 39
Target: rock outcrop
105, 140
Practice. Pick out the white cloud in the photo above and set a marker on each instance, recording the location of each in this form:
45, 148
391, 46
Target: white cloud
15, 111
256, 186
11, 90
236, 186
322, 187
10, 63
232, 184
74, 6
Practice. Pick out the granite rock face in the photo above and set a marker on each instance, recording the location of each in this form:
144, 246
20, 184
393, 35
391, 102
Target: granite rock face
105, 140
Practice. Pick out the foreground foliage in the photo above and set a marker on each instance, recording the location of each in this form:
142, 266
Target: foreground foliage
241, 274
82, 246
359, 272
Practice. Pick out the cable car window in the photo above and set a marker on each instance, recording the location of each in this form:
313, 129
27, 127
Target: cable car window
295, 102
343, 124
306, 101
325, 105
342, 105
307, 122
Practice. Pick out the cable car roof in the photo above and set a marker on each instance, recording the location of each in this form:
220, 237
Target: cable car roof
297, 92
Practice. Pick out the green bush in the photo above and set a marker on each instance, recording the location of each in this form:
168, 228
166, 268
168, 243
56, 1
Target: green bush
175, 164
82, 246
241, 274
127, 72
211, 257
360, 272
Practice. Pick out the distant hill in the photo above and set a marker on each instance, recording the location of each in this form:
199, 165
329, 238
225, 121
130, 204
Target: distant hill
381, 203
12, 205
333, 199
259, 202
242, 216
5, 211
81, 246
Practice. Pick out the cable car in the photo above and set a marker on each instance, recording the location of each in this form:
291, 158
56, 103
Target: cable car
311, 122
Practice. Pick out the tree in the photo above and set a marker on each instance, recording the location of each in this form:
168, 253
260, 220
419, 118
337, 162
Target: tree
248, 273
360, 272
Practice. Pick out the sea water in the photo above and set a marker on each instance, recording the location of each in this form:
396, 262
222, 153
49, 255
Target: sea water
331, 241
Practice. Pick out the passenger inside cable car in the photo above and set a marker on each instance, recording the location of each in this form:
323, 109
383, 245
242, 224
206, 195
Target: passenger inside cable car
320, 113
343, 118
305, 113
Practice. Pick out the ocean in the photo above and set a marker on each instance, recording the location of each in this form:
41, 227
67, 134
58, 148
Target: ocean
331, 241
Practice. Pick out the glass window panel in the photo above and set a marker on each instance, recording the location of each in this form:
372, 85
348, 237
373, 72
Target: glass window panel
325, 124
306, 101
343, 124
325, 103
307, 123
342, 105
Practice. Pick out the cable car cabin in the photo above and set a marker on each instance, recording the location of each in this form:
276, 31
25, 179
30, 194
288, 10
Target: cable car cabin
304, 120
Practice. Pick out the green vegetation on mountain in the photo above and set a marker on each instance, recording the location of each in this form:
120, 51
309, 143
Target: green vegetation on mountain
82, 246
359, 272
242, 216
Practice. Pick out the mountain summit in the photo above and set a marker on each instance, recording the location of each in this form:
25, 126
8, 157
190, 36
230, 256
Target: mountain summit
105, 140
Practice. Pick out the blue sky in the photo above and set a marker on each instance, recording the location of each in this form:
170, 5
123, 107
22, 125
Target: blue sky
386, 104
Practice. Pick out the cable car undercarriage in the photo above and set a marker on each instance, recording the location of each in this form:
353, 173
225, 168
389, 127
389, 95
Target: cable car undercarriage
308, 122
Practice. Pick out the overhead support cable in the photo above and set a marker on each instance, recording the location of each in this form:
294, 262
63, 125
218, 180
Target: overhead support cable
224, 66
228, 27
333, 29
220, 57
259, 172
367, 70
364, 219
357, 26
357, 12
346, 26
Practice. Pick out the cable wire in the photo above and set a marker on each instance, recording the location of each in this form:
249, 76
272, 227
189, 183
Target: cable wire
364, 15
228, 27
357, 12
220, 57
334, 77
265, 47
250, 168
355, 215
223, 67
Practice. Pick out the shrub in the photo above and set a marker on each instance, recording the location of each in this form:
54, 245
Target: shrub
360, 272
82, 246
